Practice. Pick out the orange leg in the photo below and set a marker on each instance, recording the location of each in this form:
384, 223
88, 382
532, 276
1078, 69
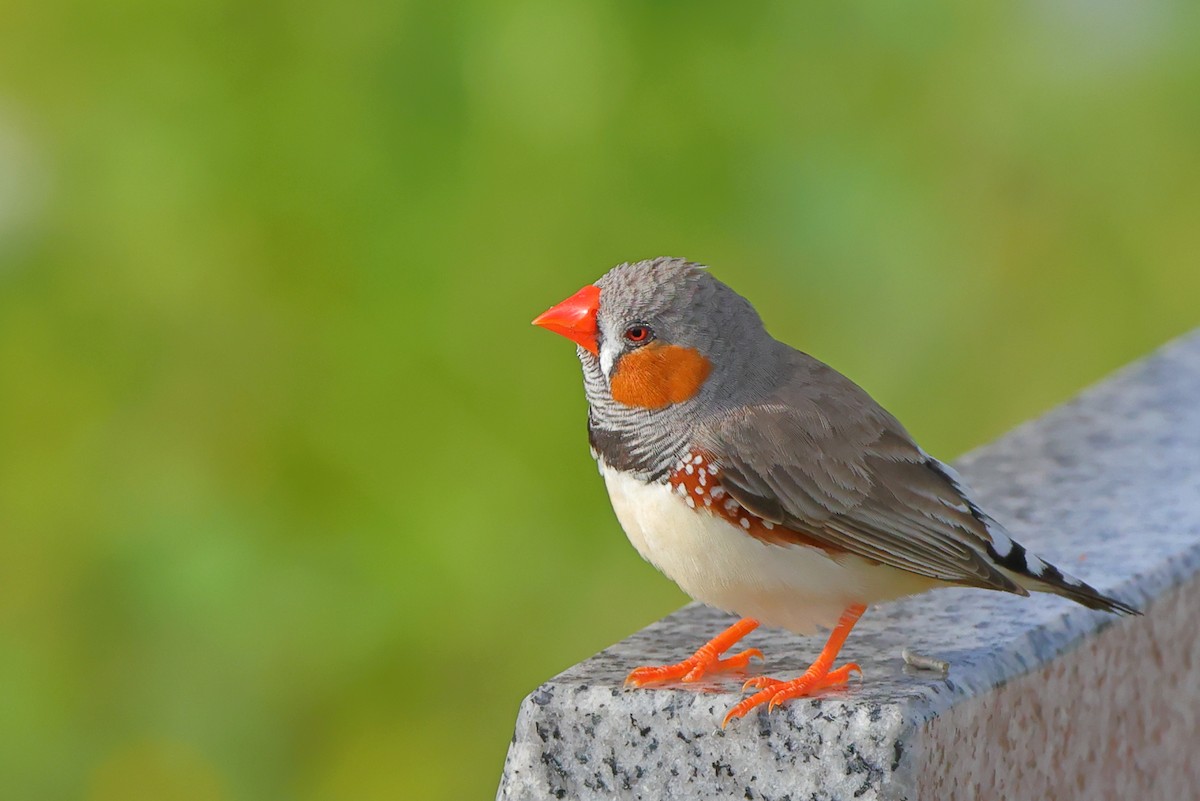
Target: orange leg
706, 660
774, 692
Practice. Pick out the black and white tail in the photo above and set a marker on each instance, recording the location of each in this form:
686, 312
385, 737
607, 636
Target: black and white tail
1036, 574
1025, 569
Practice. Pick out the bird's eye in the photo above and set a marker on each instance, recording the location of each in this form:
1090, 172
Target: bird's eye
637, 334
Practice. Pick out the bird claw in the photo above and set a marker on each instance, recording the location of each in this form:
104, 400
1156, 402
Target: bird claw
774, 692
760, 683
705, 661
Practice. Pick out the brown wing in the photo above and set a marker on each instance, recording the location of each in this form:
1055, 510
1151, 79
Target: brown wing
823, 458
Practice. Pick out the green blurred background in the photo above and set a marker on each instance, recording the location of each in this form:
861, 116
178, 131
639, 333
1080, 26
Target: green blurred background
294, 503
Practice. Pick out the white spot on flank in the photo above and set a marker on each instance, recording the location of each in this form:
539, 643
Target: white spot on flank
707, 501
682, 490
703, 478
699, 490
730, 505
768, 525
712, 469
689, 469
745, 523
691, 504
698, 460
718, 492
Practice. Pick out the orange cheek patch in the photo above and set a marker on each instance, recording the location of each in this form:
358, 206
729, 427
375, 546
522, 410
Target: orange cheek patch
659, 375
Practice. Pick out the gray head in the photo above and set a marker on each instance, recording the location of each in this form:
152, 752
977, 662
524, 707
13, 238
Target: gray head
664, 346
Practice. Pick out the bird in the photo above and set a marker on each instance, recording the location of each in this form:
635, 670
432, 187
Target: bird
765, 483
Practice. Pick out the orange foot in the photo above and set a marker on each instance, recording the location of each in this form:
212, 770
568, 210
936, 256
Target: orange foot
774, 692
705, 661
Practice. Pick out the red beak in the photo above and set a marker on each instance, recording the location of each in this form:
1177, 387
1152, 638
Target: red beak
575, 318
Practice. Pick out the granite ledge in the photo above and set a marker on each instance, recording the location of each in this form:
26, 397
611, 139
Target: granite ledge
1108, 484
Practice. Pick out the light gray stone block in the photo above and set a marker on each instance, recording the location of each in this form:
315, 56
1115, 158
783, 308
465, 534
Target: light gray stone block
1044, 699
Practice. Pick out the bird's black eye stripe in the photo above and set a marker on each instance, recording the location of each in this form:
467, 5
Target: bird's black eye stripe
638, 334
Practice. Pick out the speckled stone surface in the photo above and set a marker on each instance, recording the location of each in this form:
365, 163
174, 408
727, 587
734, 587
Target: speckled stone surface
1043, 699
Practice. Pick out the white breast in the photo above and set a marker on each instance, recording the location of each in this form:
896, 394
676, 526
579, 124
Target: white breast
717, 563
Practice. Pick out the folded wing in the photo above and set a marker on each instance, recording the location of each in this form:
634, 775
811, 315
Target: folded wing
859, 485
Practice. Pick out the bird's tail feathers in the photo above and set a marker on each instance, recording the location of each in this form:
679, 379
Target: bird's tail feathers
1040, 576
1089, 596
